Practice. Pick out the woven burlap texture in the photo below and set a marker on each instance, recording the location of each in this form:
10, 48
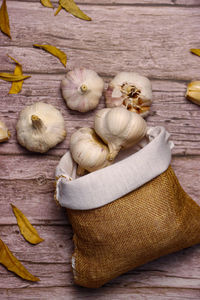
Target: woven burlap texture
156, 219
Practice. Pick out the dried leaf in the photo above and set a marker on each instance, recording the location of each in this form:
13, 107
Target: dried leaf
46, 3
71, 7
16, 86
195, 51
12, 78
26, 229
12, 263
54, 51
4, 19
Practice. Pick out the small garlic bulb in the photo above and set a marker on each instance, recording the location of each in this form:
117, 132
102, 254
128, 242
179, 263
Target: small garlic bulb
119, 128
82, 89
131, 90
40, 127
4, 132
193, 92
88, 151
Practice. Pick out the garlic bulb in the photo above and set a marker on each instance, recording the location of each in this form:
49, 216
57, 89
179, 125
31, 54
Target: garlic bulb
40, 127
131, 90
4, 132
119, 128
82, 89
88, 151
193, 92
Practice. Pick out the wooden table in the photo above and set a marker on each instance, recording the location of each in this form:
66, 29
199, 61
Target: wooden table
152, 37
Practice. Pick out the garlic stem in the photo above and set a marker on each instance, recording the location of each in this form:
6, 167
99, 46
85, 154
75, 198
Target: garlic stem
113, 151
37, 122
83, 88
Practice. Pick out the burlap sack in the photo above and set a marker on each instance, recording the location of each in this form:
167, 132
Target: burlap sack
153, 220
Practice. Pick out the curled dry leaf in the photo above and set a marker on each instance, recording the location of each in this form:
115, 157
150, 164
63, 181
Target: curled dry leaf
12, 77
26, 229
71, 7
54, 51
16, 86
12, 263
46, 3
195, 51
4, 19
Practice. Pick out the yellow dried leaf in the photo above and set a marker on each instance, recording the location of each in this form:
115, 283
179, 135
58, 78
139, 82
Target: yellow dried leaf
12, 263
12, 78
4, 19
26, 229
46, 3
71, 7
54, 51
195, 51
16, 86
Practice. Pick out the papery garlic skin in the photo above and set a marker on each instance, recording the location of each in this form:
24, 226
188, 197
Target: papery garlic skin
130, 90
119, 128
4, 132
88, 151
82, 89
193, 92
40, 127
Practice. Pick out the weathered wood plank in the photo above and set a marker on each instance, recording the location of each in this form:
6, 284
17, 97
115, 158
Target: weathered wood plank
35, 199
104, 293
35, 196
128, 2
169, 109
160, 49
56, 248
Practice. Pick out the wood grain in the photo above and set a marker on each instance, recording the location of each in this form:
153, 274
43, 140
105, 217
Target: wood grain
106, 293
156, 50
129, 2
152, 37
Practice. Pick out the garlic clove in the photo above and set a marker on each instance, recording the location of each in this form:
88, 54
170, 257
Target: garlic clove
4, 132
193, 92
131, 90
88, 151
119, 128
82, 89
40, 127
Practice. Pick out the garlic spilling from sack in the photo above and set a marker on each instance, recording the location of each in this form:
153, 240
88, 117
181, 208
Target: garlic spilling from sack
131, 90
88, 151
4, 132
82, 89
40, 127
119, 128
193, 92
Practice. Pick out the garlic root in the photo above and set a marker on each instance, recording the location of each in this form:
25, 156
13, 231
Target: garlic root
130, 90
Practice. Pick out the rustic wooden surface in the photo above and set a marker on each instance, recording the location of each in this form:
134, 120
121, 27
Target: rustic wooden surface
152, 37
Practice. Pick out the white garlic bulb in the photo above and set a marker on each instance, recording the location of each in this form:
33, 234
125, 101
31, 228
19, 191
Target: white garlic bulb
4, 132
131, 90
40, 127
119, 128
88, 151
82, 89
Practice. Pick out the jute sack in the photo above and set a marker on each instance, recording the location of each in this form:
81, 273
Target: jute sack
114, 234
